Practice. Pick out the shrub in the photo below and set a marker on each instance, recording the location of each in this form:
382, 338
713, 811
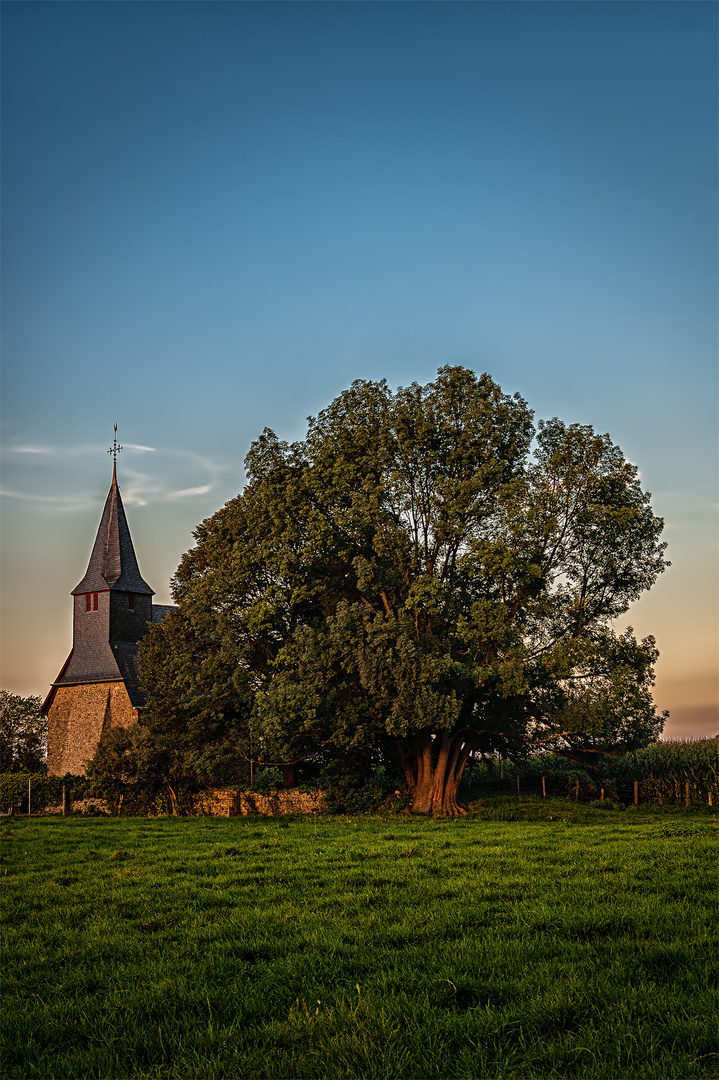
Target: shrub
354, 800
269, 780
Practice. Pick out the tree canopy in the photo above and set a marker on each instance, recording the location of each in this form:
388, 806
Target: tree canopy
424, 574
23, 733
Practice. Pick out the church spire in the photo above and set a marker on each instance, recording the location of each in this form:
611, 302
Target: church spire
114, 450
113, 563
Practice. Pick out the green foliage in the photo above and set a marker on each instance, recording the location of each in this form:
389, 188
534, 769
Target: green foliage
268, 781
576, 942
607, 705
23, 733
425, 573
362, 799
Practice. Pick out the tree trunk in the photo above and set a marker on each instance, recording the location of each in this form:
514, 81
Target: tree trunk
289, 775
409, 765
440, 761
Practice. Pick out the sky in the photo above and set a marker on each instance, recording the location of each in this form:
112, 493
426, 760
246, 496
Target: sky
216, 215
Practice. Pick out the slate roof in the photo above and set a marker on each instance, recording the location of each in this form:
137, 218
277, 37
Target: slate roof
113, 563
159, 611
125, 654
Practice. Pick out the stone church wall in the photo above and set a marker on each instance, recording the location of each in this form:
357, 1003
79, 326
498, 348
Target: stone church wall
76, 720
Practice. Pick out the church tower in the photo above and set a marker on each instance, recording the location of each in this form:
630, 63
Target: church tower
99, 685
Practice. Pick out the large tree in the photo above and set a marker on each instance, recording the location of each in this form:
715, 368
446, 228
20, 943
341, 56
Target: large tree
425, 573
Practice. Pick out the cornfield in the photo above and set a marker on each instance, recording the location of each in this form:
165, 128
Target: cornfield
665, 768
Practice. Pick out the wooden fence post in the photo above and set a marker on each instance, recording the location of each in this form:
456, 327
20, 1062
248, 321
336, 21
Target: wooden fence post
687, 800
544, 788
576, 791
601, 796
517, 785
64, 801
28, 796
710, 799
636, 793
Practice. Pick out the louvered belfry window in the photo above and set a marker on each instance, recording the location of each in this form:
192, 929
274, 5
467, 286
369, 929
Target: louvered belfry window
94, 601
88, 601
131, 601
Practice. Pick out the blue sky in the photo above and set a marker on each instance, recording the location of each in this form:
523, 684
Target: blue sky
216, 215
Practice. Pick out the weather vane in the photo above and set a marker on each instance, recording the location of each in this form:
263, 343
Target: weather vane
114, 450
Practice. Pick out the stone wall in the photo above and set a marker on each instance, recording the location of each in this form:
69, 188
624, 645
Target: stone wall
224, 803
76, 720
81, 806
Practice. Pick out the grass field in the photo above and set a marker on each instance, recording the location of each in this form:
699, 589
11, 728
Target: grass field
532, 939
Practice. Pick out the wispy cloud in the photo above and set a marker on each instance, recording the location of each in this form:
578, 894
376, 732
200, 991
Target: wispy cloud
79, 450
162, 482
60, 503
187, 493
138, 489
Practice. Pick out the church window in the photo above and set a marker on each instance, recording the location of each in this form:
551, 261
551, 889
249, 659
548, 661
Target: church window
131, 601
88, 601
94, 601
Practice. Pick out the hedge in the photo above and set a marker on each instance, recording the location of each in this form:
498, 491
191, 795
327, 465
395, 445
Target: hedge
44, 790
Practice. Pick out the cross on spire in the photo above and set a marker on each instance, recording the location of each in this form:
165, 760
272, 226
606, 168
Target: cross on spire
114, 450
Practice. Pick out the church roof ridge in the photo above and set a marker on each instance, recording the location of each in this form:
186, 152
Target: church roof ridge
113, 563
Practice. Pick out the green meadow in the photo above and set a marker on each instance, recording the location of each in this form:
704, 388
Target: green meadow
532, 939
